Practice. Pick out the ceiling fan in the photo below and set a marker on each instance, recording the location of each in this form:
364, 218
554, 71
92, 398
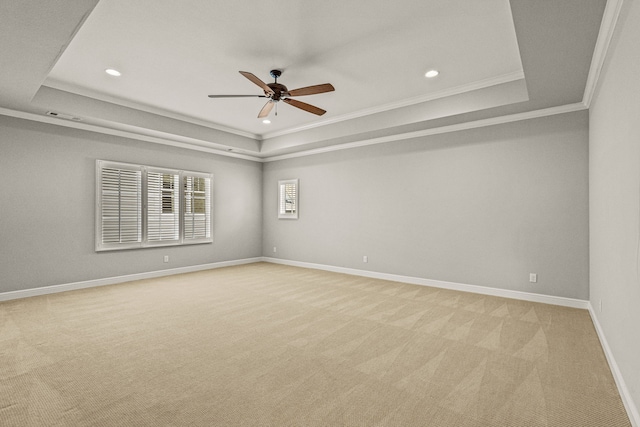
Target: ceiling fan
279, 92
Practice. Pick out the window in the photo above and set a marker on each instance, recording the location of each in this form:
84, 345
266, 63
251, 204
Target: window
197, 205
163, 206
141, 206
120, 206
288, 199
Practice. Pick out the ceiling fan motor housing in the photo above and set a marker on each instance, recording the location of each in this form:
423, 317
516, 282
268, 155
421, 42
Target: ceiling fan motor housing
278, 89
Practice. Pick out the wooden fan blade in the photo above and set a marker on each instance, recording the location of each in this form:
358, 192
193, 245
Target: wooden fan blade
257, 81
304, 106
266, 109
237, 96
312, 90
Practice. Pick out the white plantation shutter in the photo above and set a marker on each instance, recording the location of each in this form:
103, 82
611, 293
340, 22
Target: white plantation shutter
142, 206
288, 199
163, 206
119, 213
197, 207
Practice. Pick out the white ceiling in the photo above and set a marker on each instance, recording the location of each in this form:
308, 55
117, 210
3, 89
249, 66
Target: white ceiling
172, 55
494, 57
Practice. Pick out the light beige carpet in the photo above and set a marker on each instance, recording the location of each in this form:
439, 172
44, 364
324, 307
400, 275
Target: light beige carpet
271, 345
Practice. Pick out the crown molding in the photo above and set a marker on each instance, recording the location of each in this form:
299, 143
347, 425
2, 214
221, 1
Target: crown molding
480, 84
173, 140
435, 131
470, 87
607, 29
65, 87
190, 144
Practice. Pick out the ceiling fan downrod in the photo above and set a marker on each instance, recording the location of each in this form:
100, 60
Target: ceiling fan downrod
275, 74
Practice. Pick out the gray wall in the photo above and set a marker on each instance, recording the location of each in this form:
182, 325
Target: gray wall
614, 173
483, 207
48, 197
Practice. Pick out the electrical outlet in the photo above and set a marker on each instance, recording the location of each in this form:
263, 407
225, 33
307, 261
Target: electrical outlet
533, 277
275, 249
365, 259
166, 258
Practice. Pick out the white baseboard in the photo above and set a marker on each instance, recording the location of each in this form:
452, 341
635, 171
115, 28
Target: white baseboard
504, 293
6, 296
629, 405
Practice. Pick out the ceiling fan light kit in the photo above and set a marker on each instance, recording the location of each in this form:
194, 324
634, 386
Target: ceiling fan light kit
276, 92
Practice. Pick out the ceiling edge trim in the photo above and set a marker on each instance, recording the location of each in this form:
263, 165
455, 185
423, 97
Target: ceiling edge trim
605, 35
480, 84
436, 131
62, 86
124, 134
355, 144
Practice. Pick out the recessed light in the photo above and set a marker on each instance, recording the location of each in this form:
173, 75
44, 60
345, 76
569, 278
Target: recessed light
431, 74
266, 121
113, 72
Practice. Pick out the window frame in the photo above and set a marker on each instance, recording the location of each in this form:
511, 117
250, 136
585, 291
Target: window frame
144, 210
147, 209
282, 211
208, 216
100, 244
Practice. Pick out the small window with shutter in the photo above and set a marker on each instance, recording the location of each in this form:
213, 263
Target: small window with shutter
288, 199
